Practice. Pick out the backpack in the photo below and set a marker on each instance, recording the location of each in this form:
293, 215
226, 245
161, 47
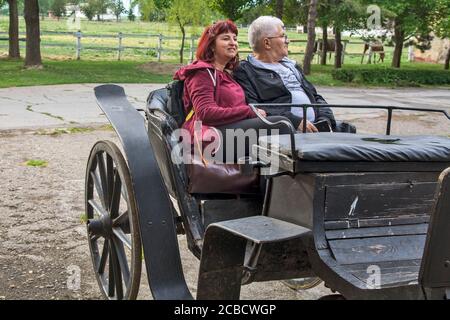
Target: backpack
175, 104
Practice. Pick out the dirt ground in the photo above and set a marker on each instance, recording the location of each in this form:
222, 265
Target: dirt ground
160, 67
42, 236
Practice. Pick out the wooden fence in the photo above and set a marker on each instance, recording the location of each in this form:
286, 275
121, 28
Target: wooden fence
83, 41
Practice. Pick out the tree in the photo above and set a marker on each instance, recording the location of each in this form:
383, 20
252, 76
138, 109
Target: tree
258, 8
58, 8
231, 9
101, 7
341, 15
130, 15
44, 7
309, 52
14, 49
146, 7
410, 18
153, 10
89, 9
185, 12
279, 8
118, 8
296, 12
33, 52
443, 26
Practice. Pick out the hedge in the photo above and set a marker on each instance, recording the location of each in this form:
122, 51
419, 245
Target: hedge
391, 76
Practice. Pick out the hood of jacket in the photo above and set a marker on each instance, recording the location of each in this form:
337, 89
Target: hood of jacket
183, 72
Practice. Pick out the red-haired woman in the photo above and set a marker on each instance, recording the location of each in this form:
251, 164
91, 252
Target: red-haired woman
211, 95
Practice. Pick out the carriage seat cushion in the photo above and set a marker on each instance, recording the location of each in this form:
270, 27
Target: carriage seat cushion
158, 99
358, 147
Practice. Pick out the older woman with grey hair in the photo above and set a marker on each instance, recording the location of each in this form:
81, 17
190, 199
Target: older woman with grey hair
269, 76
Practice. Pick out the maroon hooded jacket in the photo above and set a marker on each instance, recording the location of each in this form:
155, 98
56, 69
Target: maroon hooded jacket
213, 106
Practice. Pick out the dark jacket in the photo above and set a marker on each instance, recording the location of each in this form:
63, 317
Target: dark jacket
266, 86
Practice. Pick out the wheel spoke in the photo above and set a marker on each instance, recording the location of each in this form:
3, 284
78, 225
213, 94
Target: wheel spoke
116, 270
122, 258
110, 176
98, 207
98, 186
122, 237
102, 172
124, 192
104, 257
121, 219
115, 197
111, 280
95, 237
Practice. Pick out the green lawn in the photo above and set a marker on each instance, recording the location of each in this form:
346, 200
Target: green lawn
71, 71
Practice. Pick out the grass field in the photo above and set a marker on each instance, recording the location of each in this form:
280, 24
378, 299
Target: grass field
62, 72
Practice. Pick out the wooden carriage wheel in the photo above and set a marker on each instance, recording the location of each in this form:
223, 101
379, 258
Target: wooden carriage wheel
112, 223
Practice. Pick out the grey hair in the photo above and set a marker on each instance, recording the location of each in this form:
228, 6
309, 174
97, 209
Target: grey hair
264, 26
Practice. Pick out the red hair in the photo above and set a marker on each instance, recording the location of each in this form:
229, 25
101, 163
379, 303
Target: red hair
208, 40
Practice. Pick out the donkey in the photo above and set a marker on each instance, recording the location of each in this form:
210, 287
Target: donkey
373, 47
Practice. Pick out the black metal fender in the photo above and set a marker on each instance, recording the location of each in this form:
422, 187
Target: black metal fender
157, 226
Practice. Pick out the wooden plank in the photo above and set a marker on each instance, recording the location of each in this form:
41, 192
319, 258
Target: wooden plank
392, 277
375, 250
392, 273
366, 223
379, 200
342, 166
436, 264
377, 232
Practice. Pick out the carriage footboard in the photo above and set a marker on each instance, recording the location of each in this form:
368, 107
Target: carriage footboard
224, 247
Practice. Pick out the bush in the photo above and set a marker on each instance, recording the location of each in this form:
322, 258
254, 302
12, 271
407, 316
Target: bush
391, 76
343, 75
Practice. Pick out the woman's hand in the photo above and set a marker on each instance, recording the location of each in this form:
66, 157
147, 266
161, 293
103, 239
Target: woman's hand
309, 127
262, 112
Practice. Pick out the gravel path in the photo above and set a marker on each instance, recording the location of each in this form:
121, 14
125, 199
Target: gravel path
42, 238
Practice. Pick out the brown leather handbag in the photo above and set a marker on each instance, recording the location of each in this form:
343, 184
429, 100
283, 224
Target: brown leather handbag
210, 177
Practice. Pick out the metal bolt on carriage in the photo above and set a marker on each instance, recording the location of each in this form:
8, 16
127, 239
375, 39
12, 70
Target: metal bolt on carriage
367, 214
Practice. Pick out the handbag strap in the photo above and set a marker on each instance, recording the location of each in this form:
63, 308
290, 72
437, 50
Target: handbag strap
213, 78
191, 113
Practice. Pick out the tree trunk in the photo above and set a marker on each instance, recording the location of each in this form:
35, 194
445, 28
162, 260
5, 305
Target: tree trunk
279, 9
33, 53
323, 57
447, 60
14, 49
183, 32
309, 52
399, 37
338, 51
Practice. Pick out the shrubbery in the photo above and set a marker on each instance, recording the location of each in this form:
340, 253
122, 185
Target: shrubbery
391, 76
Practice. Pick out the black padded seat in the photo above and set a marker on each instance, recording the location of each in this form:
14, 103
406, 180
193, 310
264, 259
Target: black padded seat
347, 147
158, 100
